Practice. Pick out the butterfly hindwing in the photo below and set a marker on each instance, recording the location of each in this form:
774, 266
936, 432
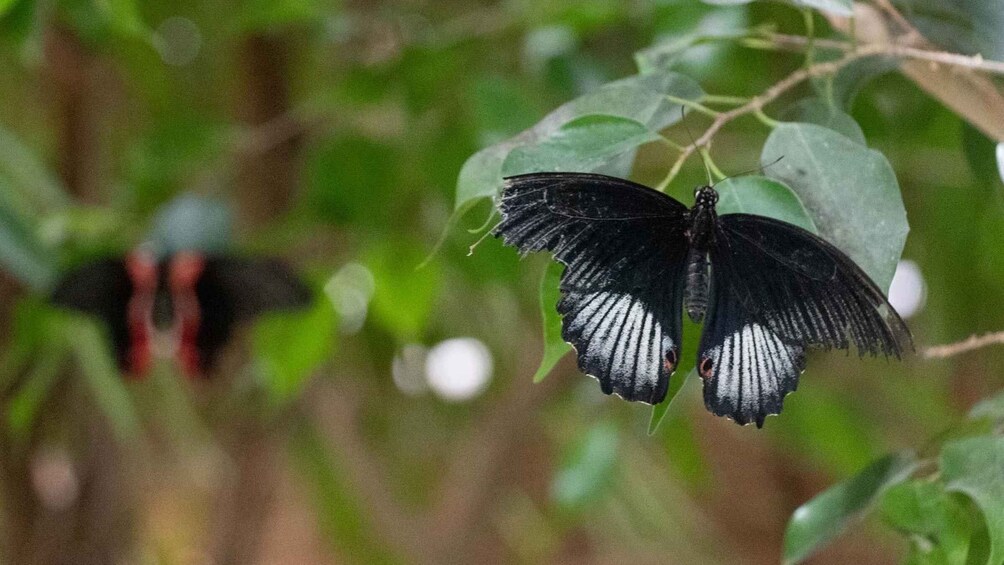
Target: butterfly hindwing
746, 367
623, 248
776, 290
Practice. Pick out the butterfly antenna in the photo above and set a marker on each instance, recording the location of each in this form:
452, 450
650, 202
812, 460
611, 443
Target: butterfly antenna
693, 144
760, 169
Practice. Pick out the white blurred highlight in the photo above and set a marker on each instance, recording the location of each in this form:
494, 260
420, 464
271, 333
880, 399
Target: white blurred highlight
908, 291
458, 369
350, 291
408, 369
54, 479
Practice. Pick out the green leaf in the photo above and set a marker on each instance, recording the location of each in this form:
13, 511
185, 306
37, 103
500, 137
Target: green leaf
683, 377
824, 517
102, 377
641, 98
676, 384
837, 7
22, 253
764, 197
849, 190
584, 144
555, 347
23, 408
6, 5
975, 467
124, 16
844, 87
814, 110
924, 510
291, 347
403, 296
588, 468
991, 408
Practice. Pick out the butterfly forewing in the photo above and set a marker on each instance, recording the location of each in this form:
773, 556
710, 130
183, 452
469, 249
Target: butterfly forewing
803, 288
232, 290
624, 247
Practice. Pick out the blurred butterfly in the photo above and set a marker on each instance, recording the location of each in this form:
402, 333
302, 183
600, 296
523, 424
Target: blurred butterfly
635, 258
186, 303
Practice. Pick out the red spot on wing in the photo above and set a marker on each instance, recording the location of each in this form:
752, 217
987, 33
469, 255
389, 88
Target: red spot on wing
706, 367
669, 362
142, 269
184, 272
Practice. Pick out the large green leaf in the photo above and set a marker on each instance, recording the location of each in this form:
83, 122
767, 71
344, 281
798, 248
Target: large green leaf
975, 467
588, 467
764, 197
641, 98
849, 190
584, 144
924, 510
813, 110
555, 347
824, 517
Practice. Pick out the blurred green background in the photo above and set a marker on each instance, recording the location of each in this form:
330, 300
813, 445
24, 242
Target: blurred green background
397, 421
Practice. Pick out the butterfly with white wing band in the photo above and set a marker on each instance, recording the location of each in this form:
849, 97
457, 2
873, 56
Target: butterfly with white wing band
635, 258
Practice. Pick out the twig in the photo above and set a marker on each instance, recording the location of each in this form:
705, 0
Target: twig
973, 342
975, 62
757, 103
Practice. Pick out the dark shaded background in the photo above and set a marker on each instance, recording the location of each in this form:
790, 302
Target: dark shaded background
334, 132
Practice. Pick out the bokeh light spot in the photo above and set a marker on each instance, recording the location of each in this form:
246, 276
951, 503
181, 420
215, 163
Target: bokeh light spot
458, 369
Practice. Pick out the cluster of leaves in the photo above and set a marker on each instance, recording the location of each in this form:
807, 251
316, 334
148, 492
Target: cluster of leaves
818, 173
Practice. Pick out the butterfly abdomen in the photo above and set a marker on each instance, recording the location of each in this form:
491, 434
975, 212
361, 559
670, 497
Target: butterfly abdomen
695, 293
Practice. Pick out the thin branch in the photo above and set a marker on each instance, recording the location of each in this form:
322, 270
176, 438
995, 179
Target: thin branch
975, 62
757, 103
973, 342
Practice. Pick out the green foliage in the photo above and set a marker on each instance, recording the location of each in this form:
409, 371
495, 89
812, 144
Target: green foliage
764, 197
641, 99
850, 191
974, 467
584, 144
588, 468
819, 520
292, 346
555, 347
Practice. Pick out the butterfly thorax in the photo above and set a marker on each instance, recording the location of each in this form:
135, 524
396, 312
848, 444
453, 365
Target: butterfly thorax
701, 237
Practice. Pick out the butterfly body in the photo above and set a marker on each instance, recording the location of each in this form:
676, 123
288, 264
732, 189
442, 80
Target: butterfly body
635, 259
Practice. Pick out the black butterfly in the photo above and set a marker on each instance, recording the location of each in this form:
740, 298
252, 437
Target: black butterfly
635, 258
191, 300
